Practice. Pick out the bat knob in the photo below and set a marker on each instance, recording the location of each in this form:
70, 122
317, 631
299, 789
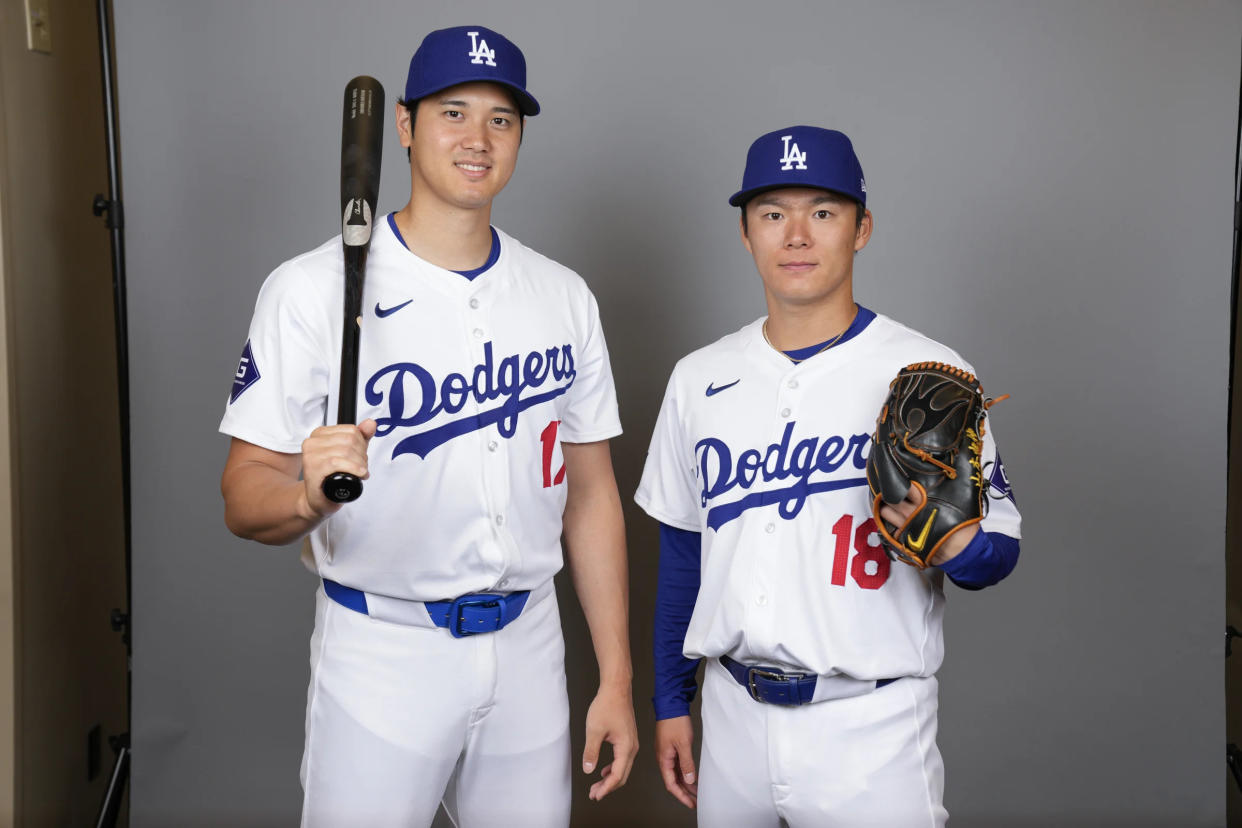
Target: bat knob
342, 487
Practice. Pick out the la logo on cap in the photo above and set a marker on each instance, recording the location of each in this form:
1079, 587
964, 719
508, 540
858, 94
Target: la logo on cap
793, 157
479, 53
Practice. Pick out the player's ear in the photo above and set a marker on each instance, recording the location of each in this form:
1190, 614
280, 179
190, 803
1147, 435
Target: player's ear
741, 230
863, 235
404, 131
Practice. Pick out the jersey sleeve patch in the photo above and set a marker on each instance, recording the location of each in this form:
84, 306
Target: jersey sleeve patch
247, 373
998, 481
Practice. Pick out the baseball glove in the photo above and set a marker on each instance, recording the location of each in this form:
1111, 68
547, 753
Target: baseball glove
929, 435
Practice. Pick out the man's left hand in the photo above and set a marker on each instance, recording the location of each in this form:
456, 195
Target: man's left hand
610, 718
899, 515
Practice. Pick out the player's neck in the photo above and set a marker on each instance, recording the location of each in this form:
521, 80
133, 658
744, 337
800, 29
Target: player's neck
448, 238
790, 327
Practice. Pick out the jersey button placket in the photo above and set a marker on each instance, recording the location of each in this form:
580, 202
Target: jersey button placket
765, 535
761, 593
750, 589
495, 460
477, 317
787, 396
494, 463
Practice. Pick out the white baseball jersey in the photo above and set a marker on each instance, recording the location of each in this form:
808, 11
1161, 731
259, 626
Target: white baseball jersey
474, 385
766, 459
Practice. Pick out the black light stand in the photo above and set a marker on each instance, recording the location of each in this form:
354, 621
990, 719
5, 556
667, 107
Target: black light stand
114, 216
1233, 754
1237, 254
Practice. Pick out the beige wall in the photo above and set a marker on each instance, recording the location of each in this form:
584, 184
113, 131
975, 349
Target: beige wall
68, 673
8, 639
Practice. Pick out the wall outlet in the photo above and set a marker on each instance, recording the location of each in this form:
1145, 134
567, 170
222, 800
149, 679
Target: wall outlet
39, 26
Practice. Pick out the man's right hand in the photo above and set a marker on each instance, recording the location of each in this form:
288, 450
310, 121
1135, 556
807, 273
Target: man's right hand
277, 498
328, 450
674, 741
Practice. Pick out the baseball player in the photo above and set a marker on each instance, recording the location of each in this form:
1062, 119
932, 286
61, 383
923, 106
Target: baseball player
486, 406
819, 693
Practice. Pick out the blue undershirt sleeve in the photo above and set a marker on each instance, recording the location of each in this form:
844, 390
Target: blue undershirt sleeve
985, 561
678, 589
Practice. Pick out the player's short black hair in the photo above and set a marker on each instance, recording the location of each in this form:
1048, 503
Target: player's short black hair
411, 106
859, 213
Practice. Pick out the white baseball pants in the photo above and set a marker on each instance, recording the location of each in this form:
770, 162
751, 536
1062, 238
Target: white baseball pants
400, 718
867, 761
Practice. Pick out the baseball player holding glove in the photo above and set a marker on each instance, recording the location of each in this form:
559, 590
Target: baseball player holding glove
486, 406
779, 564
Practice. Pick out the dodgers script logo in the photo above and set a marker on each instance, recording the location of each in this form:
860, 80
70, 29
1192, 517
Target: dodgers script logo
479, 53
779, 461
793, 157
415, 397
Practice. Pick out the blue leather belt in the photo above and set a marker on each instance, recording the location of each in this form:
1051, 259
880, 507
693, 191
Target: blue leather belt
775, 686
464, 616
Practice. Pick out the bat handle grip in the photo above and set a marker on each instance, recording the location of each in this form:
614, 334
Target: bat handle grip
342, 487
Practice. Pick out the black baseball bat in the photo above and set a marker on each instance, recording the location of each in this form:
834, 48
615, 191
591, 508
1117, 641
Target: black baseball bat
362, 142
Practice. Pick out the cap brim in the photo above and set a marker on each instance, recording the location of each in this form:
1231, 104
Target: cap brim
740, 198
525, 101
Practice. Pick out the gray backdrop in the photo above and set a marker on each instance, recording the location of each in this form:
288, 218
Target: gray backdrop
1052, 191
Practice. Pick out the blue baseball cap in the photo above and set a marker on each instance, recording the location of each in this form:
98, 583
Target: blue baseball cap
802, 156
463, 54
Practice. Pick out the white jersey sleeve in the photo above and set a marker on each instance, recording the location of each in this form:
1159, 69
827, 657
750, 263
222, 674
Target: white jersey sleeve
590, 412
282, 383
668, 487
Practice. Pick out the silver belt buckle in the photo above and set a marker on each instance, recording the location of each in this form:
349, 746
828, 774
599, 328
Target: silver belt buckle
758, 672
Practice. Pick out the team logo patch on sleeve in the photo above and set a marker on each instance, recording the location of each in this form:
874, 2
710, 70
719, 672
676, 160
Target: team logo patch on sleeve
998, 482
247, 373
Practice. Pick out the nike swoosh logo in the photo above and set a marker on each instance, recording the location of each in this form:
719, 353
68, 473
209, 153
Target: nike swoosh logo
713, 391
917, 544
382, 312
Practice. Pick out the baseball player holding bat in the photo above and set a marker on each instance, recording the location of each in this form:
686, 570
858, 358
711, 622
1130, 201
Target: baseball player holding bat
819, 692
486, 403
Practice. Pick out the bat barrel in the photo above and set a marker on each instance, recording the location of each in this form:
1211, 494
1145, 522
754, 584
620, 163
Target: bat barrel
362, 144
